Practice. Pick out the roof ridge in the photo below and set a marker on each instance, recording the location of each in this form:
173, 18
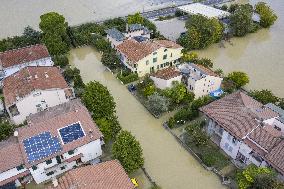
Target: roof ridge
29, 46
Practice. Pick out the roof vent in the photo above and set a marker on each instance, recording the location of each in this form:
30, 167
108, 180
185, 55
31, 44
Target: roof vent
16, 133
46, 76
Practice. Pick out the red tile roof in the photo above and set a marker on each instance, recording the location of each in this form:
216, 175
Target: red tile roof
276, 156
23, 55
237, 113
206, 70
135, 51
55, 118
13, 178
30, 79
10, 154
107, 175
167, 73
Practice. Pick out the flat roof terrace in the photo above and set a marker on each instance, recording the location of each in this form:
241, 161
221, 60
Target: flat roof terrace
204, 10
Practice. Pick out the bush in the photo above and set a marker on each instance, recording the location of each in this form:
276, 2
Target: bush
196, 135
183, 114
6, 129
171, 122
208, 159
127, 77
157, 104
60, 60
239, 78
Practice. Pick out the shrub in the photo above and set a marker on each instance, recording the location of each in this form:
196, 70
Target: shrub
60, 60
127, 76
158, 104
208, 159
171, 122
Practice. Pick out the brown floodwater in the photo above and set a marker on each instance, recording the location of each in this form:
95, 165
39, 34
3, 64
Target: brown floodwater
165, 160
260, 55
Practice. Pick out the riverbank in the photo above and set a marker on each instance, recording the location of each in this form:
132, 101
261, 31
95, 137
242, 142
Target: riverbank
165, 160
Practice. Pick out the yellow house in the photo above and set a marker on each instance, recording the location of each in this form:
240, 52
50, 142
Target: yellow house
143, 57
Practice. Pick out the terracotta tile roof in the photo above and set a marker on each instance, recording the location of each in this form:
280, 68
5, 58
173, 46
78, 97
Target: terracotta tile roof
107, 175
237, 113
167, 73
276, 157
135, 51
205, 70
255, 147
10, 154
29, 79
55, 118
265, 138
23, 55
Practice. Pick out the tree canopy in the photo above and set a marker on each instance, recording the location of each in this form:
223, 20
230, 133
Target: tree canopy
267, 15
54, 30
158, 103
6, 129
241, 20
136, 18
264, 96
239, 78
98, 100
109, 126
128, 151
201, 32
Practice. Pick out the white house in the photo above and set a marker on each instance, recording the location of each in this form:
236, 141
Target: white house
12, 61
165, 78
33, 89
136, 31
248, 131
199, 79
148, 56
106, 175
54, 141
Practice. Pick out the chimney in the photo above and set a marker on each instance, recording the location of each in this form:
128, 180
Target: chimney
126, 27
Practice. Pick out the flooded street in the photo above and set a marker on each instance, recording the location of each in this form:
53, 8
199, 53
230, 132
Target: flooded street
165, 160
260, 55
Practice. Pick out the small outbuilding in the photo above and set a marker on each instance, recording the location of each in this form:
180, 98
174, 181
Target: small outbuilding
204, 10
164, 78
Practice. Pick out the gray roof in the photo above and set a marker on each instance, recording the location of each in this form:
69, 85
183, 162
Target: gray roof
134, 27
275, 108
115, 33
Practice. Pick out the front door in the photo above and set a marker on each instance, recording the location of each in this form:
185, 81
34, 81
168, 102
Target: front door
152, 69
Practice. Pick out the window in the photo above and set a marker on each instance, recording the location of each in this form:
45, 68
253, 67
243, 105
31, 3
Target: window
230, 149
158, 67
171, 55
48, 161
37, 93
277, 128
147, 62
226, 146
62, 168
50, 173
167, 63
229, 137
154, 60
162, 65
154, 53
165, 57
71, 152
34, 167
20, 167
165, 50
14, 110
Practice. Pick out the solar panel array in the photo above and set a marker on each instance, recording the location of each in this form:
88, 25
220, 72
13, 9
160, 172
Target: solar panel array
41, 146
71, 133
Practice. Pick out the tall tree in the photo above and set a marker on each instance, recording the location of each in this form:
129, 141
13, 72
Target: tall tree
109, 126
6, 129
157, 103
267, 15
128, 151
54, 28
239, 78
264, 96
98, 100
241, 20
136, 18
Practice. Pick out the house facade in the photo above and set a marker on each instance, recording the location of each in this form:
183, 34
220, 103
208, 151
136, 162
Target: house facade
54, 141
149, 56
199, 79
246, 130
34, 89
14, 60
115, 37
164, 78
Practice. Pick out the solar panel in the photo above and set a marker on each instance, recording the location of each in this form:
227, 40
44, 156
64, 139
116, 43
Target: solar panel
41, 146
71, 133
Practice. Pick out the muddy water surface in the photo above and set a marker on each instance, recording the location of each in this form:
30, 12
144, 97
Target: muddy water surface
166, 161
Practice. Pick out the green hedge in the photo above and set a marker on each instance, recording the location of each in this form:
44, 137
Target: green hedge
127, 77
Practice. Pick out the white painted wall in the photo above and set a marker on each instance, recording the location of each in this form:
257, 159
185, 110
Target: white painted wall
204, 86
90, 151
228, 145
113, 42
162, 83
27, 105
136, 34
41, 62
275, 122
10, 173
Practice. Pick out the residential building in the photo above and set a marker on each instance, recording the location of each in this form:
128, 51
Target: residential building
104, 175
165, 78
248, 131
200, 80
148, 56
12, 61
53, 142
33, 89
136, 31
